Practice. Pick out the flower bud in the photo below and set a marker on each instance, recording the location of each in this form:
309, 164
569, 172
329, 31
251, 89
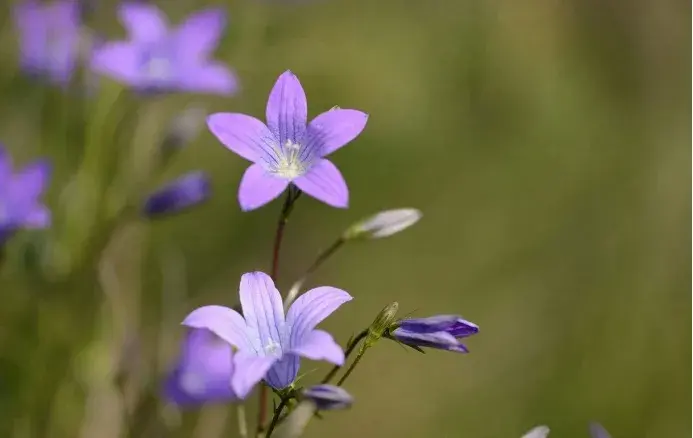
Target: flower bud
185, 192
182, 129
537, 432
328, 397
382, 323
383, 224
598, 431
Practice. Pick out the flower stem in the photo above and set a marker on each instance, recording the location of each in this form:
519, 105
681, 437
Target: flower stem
277, 416
292, 194
242, 422
352, 366
350, 349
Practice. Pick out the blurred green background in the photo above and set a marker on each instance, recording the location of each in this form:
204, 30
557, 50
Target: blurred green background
547, 143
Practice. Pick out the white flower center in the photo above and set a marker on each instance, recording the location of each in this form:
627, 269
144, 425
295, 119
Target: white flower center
192, 383
273, 349
158, 68
289, 163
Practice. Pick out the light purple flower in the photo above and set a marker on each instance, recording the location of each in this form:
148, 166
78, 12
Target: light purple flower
441, 332
20, 206
270, 344
158, 59
288, 149
203, 371
48, 38
185, 192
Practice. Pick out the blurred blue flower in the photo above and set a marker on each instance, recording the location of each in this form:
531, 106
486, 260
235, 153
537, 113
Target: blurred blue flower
598, 431
328, 397
203, 371
157, 59
20, 206
270, 345
48, 38
187, 191
441, 332
287, 149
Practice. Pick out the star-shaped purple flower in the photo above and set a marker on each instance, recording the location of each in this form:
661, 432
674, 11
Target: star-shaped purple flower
270, 344
441, 332
203, 371
20, 206
158, 59
48, 38
288, 149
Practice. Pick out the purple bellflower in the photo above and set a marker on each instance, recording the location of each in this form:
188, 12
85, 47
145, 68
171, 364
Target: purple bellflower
288, 149
203, 371
157, 59
187, 191
49, 38
20, 206
268, 343
441, 332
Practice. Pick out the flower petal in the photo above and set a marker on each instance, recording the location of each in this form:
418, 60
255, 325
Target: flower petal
226, 323
452, 324
329, 397
263, 311
325, 183
209, 78
31, 181
38, 217
283, 372
203, 371
258, 187
287, 109
249, 369
439, 340
310, 309
144, 22
119, 60
320, 345
199, 35
244, 135
333, 129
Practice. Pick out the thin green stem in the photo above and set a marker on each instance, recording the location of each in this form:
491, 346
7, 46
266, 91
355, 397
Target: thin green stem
242, 421
350, 349
277, 416
352, 366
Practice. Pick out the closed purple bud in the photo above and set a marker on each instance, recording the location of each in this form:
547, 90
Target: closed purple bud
598, 431
452, 324
185, 192
440, 332
328, 397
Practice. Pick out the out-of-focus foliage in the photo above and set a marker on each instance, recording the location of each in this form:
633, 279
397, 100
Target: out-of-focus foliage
546, 142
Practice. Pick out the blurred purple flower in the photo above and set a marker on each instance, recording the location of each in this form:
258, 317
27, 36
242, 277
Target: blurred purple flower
441, 332
270, 345
158, 59
598, 431
203, 371
20, 206
187, 191
328, 397
48, 38
287, 150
